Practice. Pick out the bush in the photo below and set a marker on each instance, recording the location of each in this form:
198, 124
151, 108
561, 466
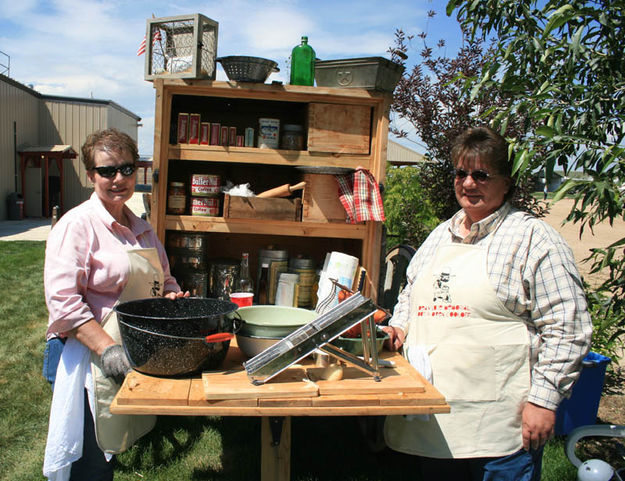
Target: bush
410, 215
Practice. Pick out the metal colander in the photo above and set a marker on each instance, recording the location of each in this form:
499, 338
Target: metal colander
247, 69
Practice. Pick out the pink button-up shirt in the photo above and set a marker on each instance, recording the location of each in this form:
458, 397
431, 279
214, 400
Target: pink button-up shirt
86, 266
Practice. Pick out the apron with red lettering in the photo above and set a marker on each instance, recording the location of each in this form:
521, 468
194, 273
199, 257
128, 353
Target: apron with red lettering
479, 352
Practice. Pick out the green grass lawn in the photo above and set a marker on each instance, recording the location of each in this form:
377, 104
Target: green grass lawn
180, 448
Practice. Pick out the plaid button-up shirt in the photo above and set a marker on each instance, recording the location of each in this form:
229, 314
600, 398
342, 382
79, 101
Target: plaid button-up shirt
533, 272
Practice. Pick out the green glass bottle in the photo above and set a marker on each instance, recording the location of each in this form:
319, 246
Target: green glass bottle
303, 64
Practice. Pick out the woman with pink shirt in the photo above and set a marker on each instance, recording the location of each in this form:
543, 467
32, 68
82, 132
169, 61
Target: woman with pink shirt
97, 254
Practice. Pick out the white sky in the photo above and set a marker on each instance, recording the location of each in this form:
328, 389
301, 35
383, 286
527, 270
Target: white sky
87, 48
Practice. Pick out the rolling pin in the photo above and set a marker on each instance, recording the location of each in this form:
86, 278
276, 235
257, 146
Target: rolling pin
282, 191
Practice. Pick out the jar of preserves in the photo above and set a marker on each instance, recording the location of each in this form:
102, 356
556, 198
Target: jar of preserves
176, 198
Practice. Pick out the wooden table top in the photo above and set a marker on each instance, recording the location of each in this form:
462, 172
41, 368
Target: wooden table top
228, 392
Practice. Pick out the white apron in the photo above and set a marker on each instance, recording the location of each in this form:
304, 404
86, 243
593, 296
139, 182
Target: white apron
479, 352
115, 433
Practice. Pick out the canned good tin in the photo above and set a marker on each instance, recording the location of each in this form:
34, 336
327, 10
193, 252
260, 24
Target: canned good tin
205, 185
278, 261
268, 133
206, 206
182, 135
187, 252
187, 240
305, 267
249, 137
194, 282
223, 277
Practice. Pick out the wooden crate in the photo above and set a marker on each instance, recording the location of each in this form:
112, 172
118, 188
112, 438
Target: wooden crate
343, 129
321, 199
237, 207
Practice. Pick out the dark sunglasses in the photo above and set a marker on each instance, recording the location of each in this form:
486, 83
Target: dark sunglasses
479, 176
110, 171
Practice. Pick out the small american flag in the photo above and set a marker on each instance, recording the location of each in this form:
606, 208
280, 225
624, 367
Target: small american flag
156, 37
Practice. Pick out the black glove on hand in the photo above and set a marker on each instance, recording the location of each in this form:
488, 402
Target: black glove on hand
115, 363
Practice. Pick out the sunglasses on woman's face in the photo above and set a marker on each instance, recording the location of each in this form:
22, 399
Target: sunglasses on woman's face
110, 171
479, 176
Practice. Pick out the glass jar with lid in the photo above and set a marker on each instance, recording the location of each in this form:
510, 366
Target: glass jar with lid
292, 137
176, 198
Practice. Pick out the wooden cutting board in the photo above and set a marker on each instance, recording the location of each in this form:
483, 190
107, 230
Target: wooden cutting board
139, 389
291, 383
357, 382
301, 381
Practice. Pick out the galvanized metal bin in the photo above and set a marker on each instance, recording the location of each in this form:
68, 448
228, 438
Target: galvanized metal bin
376, 73
184, 46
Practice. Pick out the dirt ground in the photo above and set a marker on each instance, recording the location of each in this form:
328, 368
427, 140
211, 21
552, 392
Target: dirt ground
612, 404
603, 235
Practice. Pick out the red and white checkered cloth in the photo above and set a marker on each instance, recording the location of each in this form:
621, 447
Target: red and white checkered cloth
360, 195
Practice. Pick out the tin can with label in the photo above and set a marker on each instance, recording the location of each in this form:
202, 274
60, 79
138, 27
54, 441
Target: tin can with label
182, 135
249, 137
268, 133
205, 185
205, 206
305, 268
194, 128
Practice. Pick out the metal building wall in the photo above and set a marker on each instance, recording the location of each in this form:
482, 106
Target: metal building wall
18, 105
121, 120
69, 123
398, 154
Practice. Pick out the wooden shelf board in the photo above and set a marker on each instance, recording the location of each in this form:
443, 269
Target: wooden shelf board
283, 93
253, 155
263, 226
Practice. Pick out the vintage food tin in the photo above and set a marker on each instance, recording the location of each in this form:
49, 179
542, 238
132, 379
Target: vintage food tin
305, 267
187, 240
183, 128
194, 128
194, 282
205, 185
204, 133
249, 137
268, 133
223, 277
224, 135
187, 252
205, 206
278, 261
215, 133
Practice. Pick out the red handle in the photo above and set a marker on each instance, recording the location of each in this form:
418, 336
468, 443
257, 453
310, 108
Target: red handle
219, 337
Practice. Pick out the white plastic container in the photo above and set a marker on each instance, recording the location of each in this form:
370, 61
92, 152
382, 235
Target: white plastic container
268, 133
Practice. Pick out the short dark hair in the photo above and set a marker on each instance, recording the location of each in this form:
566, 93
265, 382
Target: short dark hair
109, 139
485, 144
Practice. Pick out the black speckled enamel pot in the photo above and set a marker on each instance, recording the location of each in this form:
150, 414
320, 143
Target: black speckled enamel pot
162, 337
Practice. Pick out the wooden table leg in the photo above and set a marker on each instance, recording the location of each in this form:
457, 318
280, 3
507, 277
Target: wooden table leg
275, 459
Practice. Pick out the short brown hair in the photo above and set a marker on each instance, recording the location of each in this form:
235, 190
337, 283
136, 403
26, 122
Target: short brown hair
485, 144
105, 140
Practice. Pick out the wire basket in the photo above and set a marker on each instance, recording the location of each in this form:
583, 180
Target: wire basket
240, 68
